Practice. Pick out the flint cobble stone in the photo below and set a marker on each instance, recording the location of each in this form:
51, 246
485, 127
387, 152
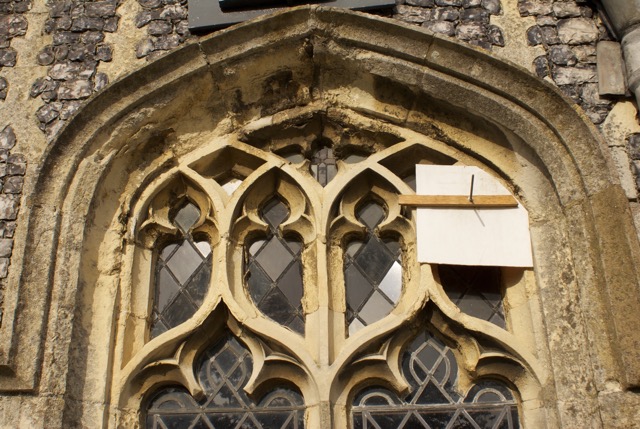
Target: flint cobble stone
12, 170
421, 3
4, 87
78, 32
569, 30
578, 31
166, 26
442, 27
13, 24
467, 20
7, 138
6, 246
562, 55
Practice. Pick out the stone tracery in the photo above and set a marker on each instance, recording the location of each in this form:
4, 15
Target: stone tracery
267, 205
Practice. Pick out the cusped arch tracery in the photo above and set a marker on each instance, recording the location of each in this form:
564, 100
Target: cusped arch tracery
371, 239
434, 373
223, 370
370, 249
176, 231
213, 374
433, 400
272, 238
551, 144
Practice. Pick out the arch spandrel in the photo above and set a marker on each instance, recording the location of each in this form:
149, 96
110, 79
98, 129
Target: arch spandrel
399, 76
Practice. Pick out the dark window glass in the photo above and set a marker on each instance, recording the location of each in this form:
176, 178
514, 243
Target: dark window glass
354, 158
411, 181
294, 157
372, 272
433, 401
475, 290
323, 165
273, 270
222, 372
182, 275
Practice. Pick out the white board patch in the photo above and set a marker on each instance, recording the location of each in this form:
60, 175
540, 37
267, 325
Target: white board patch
469, 236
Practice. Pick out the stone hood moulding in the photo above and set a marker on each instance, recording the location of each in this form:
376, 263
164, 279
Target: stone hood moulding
280, 69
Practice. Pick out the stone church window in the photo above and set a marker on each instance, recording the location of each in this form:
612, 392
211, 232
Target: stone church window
271, 277
223, 126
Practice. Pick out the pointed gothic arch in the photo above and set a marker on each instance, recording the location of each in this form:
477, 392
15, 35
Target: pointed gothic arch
351, 76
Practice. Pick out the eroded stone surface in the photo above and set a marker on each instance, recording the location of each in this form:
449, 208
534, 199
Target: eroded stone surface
178, 121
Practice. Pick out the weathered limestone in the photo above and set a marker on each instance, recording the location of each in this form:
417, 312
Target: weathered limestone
73, 351
611, 74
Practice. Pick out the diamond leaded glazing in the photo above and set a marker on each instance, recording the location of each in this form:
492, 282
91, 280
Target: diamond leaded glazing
372, 272
222, 373
273, 270
475, 290
433, 401
183, 273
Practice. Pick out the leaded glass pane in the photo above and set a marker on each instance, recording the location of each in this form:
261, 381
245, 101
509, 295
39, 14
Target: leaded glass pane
273, 270
182, 275
222, 372
275, 212
475, 290
433, 401
187, 216
372, 272
323, 165
371, 214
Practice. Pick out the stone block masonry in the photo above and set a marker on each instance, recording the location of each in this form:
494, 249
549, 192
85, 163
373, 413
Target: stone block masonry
78, 29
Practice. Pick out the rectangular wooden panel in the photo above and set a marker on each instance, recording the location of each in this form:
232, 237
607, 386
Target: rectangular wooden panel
460, 201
